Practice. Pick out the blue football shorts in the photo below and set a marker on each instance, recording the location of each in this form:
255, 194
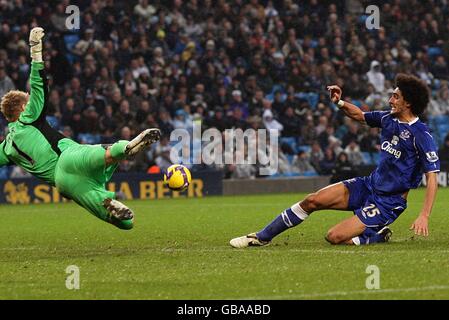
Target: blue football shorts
372, 209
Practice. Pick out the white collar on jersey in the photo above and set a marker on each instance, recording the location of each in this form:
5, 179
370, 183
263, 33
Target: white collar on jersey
409, 123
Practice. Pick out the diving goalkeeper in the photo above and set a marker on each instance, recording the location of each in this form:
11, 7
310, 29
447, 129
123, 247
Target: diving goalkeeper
79, 172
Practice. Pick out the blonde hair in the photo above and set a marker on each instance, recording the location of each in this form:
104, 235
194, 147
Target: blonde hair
11, 104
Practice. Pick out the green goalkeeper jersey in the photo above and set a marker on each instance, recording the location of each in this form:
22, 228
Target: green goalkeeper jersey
31, 142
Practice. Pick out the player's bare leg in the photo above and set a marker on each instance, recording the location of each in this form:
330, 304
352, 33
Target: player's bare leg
343, 232
335, 196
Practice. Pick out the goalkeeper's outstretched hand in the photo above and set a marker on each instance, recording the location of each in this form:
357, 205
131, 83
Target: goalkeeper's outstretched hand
35, 41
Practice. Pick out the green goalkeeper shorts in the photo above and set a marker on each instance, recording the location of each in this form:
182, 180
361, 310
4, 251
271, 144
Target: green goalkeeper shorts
81, 175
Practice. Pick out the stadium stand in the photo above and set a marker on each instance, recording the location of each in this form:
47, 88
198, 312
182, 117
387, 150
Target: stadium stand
139, 63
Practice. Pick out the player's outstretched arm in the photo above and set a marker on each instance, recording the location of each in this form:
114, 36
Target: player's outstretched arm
421, 224
349, 109
36, 103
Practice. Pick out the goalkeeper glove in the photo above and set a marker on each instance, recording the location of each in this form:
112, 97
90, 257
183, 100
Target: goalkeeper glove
35, 41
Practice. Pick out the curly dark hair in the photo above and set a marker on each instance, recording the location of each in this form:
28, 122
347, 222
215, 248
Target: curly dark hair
414, 91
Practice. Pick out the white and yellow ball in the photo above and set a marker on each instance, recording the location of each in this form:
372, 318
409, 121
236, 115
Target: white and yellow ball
177, 177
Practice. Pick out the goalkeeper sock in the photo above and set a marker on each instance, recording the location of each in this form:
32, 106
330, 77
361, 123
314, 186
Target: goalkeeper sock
118, 150
287, 219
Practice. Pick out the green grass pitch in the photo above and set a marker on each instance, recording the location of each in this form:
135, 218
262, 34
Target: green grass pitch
179, 250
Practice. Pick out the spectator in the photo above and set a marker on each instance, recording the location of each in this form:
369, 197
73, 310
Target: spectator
327, 164
270, 122
232, 60
353, 153
325, 137
290, 123
86, 43
165, 122
162, 154
18, 172
144, 10
376, 77
218, 120
6, 83
371, 142
443, 152
440, 69
352, 134
264, 80
238, 103
343, 169
180, 121
440, 105
242, 170
256, 102
316, 155
301, 163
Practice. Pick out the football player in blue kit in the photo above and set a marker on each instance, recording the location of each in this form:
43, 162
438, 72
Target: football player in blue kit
407, 151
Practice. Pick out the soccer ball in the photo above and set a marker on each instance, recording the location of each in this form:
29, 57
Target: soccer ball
177, 177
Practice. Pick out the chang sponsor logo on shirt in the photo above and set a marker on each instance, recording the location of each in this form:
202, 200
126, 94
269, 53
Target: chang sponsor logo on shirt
388, 147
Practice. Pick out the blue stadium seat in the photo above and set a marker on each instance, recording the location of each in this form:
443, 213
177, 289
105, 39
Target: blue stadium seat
436, 86
70, 41
367, 158
290, 174
4, 173
277, 87
309, 174
53, 121
434, 52
311, 97
357, 103
306, 148
441, 119
430, 119
376, 157
89, 138
314, 43
290, 141
441, 131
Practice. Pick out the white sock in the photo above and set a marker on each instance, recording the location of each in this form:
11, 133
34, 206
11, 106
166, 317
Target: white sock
356, 241
299, 212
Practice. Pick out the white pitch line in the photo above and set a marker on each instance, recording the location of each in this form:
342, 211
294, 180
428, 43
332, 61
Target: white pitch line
343, 293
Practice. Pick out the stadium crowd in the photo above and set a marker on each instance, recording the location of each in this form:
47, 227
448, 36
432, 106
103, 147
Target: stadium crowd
230, 64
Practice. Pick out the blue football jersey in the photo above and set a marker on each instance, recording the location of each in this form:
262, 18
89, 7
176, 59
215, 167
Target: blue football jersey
407, 151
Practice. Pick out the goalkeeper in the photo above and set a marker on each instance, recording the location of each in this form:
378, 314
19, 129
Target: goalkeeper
79, 172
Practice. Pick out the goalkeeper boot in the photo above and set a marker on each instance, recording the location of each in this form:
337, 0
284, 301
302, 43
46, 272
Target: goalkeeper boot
119, 214
249, 240
142, 141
